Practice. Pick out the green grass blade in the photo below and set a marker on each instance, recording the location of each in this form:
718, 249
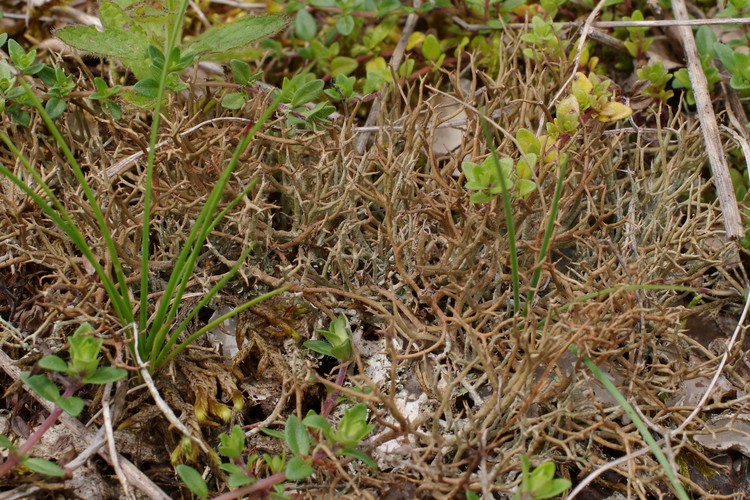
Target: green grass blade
177, 284
221, 319
207, 297
508, 208
640, 425
551, 220
90, 198
169, 306
63, 221
148, 190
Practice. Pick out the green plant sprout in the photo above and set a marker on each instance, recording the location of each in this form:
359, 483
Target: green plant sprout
705, 40
487, 180
637, 43
82, 369
657, 79
738, 65
545, 43
306, 439
337, 344
540, 483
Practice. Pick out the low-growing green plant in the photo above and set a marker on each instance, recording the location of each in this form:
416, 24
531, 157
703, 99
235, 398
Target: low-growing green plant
307, 439
735, 8
82, 368
737, 62
159, 339
488, 181
657, 78
705, 40
540, 483
638, 41
544, 40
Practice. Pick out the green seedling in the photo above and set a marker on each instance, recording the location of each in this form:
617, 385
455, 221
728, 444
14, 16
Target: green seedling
705, 40
737, 63
638, 42
337, 343
657, 79
297, 95
540, 483
343, 88
83, 368
487, 180
305, 440
104, 95
545, 44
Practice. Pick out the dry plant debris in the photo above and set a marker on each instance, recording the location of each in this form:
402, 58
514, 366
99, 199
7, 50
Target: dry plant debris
459, 386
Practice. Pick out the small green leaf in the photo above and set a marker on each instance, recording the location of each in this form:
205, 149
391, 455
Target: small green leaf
233, 101
73, 406
239, 479
315, 421
304, 25
524, 187
112, 109
43, 467
193, 480
231, 468
297, 469
319, 346
222, 38
232, 444
42, 386
431, 48
105, 375
4, 441
528, 141
54, 363
20, 116
296, 436
240, 71
55, 107
147, 88
272, 433
112, 43
705, 38
726, 56
552, 489
345, 25
362, 456
343, 66
308, 92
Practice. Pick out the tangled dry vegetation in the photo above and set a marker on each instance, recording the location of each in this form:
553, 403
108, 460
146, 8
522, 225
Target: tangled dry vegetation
458, 385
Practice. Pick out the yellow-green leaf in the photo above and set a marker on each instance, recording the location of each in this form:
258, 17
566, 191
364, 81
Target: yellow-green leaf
613, 111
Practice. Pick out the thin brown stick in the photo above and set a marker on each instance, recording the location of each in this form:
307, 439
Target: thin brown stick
719, 167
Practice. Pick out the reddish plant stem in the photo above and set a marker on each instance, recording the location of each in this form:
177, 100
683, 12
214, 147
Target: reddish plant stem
261, 486
15, 457
330, 401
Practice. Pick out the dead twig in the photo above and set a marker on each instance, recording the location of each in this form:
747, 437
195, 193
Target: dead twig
719, 167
